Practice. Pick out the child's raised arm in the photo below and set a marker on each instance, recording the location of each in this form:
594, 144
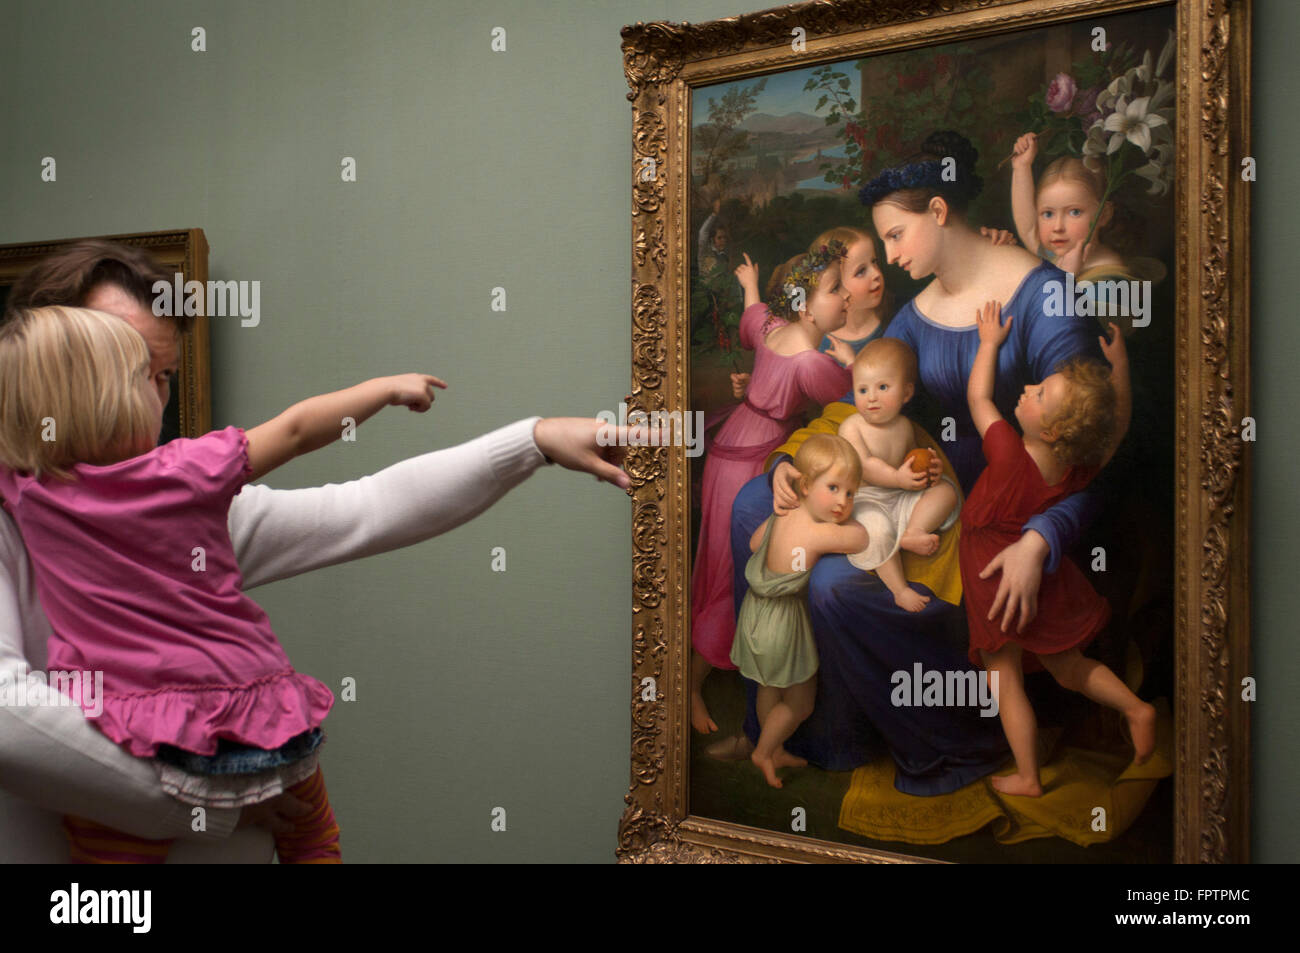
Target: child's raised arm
979, 388
311, 424
1117, 354
747, 275
1023, 209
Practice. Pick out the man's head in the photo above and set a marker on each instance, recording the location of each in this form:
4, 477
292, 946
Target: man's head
118, 279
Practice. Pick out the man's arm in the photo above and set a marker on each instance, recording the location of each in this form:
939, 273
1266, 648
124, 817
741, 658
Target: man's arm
50, 754
281, 533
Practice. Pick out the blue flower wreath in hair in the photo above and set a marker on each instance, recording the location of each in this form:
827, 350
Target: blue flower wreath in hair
916, 175
807, 273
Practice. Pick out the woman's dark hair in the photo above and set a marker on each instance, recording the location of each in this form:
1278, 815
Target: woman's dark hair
928, 173
67, 277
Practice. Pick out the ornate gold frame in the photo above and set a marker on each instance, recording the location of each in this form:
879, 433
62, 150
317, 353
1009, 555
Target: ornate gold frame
183, 250
662, 61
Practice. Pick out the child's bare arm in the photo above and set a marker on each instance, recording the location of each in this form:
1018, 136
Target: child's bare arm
979, 388
1117, 354
756, 539
874, 470
848, 538
1023, 209
311, 424
747, 275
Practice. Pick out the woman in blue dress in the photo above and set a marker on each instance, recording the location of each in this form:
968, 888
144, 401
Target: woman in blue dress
918, 210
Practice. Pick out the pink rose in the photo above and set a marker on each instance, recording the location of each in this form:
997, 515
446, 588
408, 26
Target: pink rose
1085, 104
1061, 93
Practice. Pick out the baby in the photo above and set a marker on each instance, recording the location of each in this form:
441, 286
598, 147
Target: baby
894, 490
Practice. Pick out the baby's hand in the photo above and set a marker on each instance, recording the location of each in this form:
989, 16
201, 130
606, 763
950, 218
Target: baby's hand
414, 391
909, 479
1115, 350
1024, 151
989, 322
747, 274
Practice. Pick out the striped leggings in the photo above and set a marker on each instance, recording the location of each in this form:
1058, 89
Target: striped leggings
313, 840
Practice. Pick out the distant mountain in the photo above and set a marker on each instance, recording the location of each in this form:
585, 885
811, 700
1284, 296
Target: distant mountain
793, 123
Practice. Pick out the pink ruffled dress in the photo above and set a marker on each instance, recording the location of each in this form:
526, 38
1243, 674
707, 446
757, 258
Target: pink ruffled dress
135, 569
780, 386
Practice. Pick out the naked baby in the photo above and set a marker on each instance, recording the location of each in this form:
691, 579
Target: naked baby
895, 503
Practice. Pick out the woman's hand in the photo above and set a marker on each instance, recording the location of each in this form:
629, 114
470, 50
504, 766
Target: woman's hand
998, 236
1021, 565
593, 446
739, 384
747, 275
989, 322
1024, 151
842, 351
784, 497
414, 391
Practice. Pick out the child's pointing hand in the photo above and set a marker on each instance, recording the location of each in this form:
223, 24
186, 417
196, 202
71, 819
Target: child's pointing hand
414, 391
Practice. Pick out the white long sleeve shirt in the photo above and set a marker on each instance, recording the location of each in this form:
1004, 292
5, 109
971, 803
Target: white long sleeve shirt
53, 761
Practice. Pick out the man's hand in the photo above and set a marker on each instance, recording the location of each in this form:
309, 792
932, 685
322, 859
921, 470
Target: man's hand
276, 814
1021, 565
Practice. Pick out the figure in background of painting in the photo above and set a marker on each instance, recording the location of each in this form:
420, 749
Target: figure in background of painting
1073, 421
897, 504
774, 643
810, 302
714, 255
1054, 217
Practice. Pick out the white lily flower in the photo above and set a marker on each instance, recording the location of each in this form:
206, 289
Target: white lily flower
1143, 72
1133, 123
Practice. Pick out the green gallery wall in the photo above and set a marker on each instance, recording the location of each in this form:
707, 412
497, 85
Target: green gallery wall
476, 170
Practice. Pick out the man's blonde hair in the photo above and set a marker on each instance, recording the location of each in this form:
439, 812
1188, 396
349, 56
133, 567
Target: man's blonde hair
72, 390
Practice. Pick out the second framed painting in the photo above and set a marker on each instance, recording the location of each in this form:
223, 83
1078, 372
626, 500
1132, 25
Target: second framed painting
959, 293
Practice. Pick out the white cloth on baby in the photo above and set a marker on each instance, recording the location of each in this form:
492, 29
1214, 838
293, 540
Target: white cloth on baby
884, 513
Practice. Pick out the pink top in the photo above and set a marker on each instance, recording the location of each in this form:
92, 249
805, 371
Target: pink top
187, 657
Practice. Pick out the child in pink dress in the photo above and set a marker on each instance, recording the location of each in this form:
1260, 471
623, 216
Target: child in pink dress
789, 370
134, 567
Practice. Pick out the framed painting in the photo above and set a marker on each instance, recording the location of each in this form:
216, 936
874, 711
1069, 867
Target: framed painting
864, 227
183, 252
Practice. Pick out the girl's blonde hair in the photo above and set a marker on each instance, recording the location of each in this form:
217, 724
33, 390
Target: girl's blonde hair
73, 389
850, 235
1085, 422
821, 452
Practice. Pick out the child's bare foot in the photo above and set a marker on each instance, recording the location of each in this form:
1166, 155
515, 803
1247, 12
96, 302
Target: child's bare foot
700, 719
1142, 726
784, 759
910, 599
1017, 785
923, 544
768, 766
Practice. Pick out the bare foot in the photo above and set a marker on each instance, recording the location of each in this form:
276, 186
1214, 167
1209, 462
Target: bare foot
923, 544
700, 719
768, 767
735, 748
784, 759
1142, 726
1016, 785
911, 600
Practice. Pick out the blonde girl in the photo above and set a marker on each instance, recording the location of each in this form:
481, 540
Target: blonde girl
134, 567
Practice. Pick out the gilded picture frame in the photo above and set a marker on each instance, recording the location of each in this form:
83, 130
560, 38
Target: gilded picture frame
664, 64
